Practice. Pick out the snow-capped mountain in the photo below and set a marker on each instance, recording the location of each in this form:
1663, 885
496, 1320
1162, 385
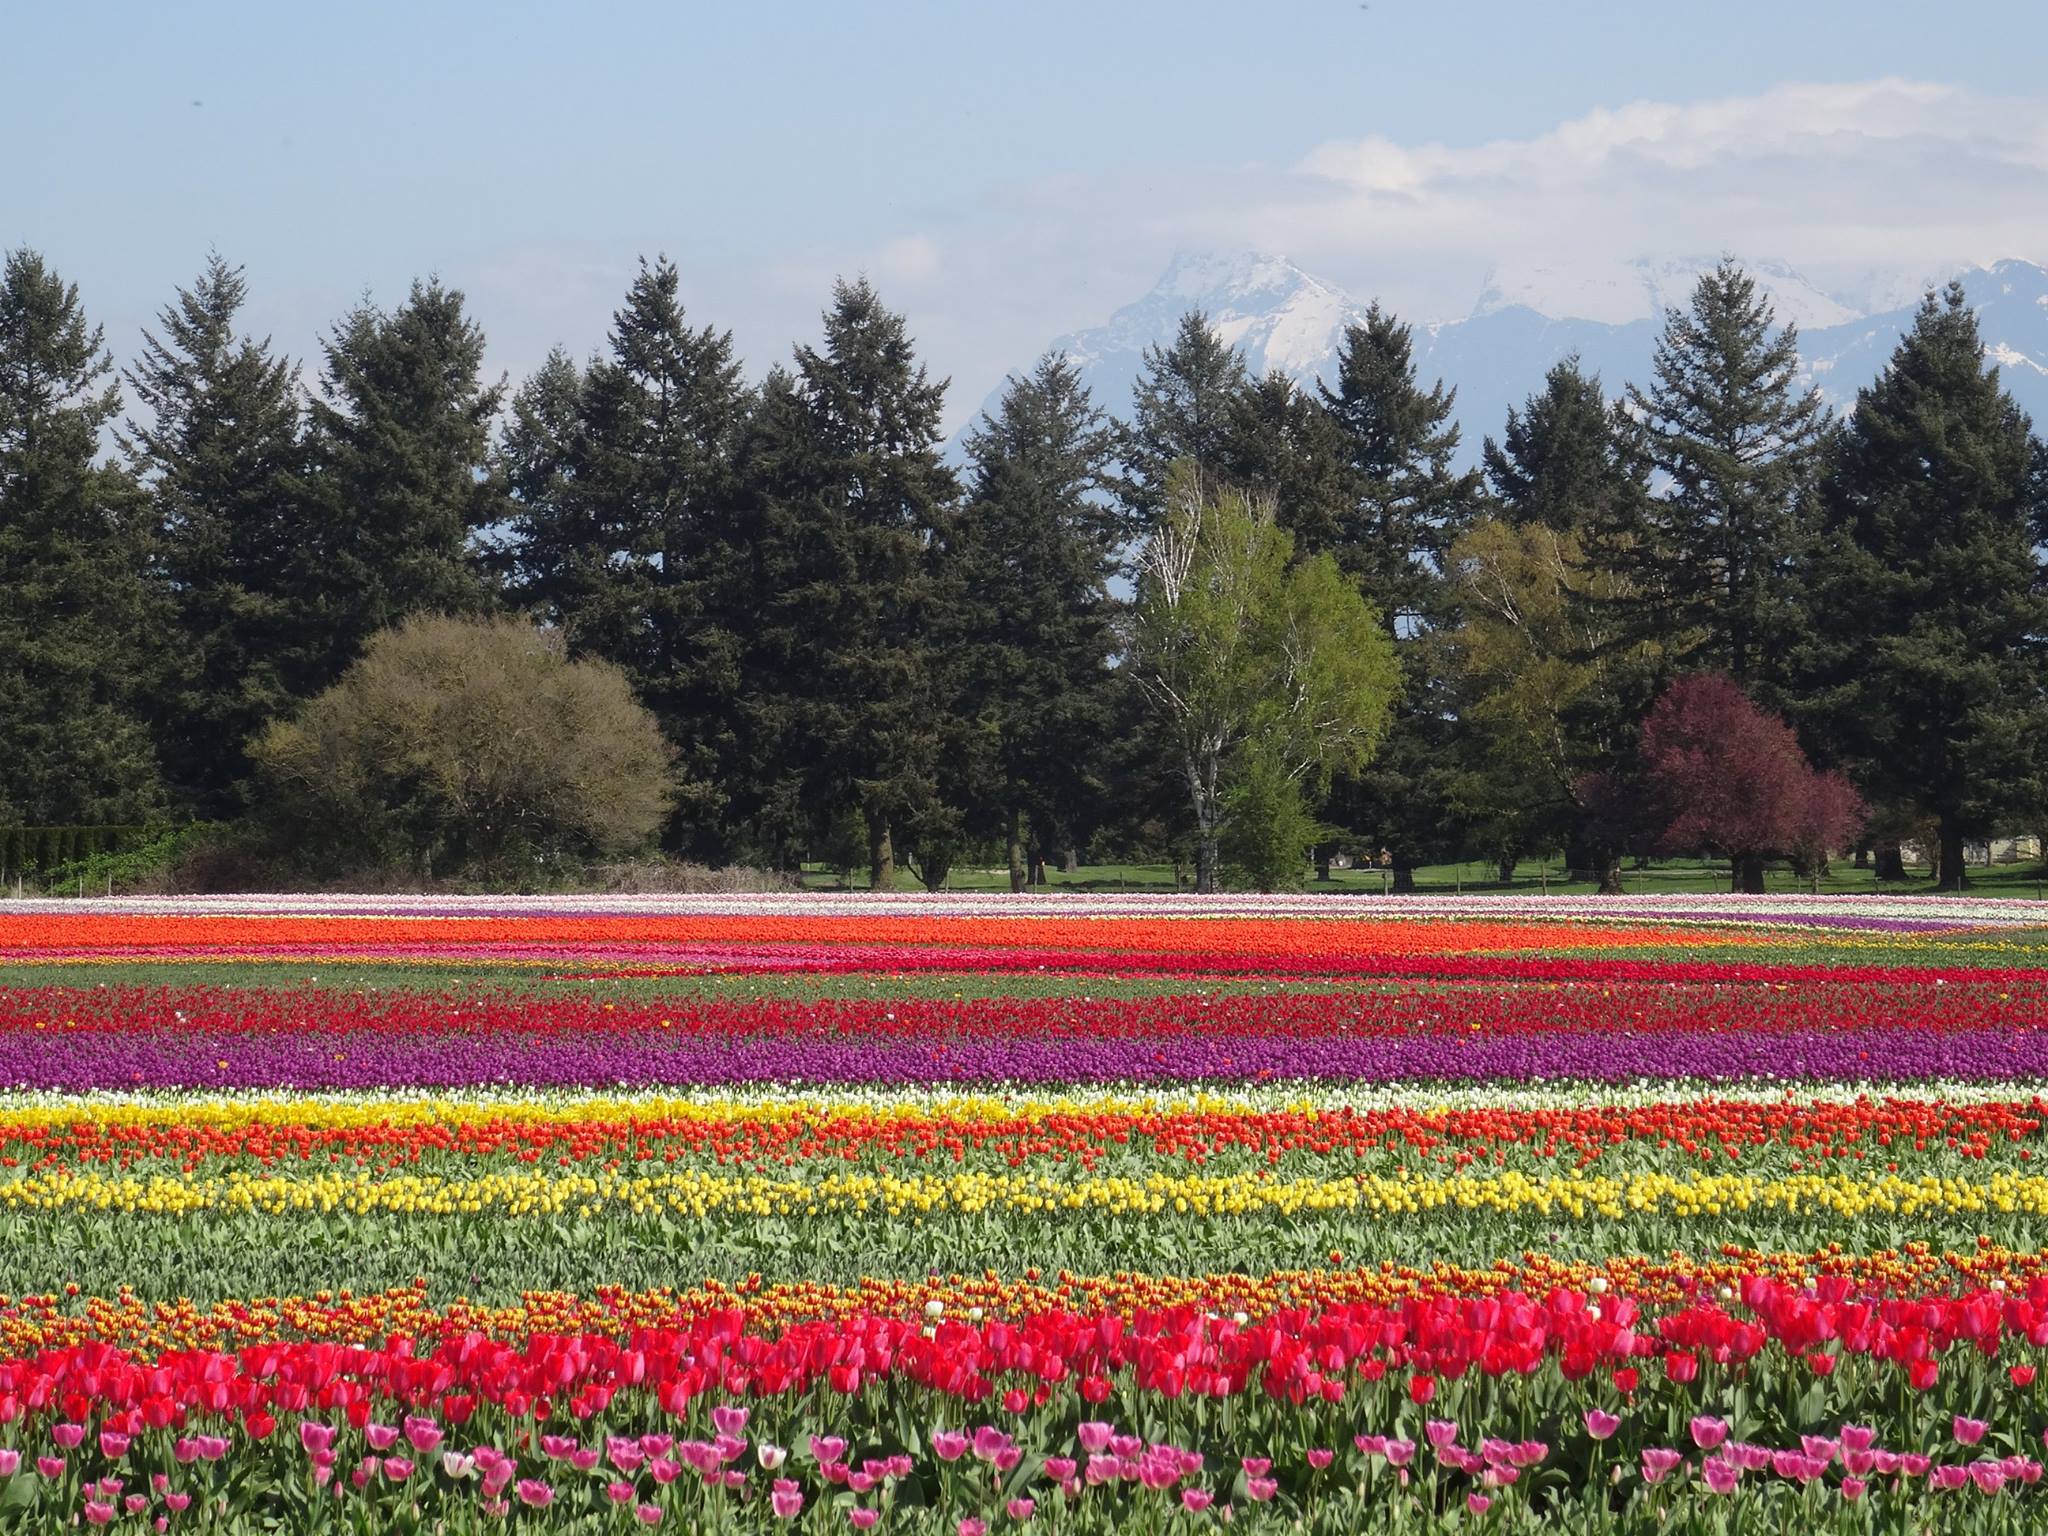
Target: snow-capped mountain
1529, 317
1275, 314
1620, 292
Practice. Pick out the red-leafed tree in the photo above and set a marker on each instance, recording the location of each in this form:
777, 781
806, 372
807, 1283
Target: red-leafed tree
1719, 772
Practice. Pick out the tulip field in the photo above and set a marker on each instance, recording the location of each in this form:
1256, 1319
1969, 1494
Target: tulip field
959, 1215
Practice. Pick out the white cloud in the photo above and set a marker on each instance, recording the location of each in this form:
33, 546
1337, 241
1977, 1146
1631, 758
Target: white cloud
1866, 187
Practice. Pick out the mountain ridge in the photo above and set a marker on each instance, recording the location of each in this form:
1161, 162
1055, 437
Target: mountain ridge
1278, 315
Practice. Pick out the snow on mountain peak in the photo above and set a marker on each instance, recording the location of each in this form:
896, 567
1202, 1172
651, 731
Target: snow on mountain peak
1620, 292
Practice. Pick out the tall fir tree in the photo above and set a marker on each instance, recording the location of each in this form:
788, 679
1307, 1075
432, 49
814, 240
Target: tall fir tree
1036, 546
79, 619
643, 568
220, 453
1183, 411
1404, 501
537, 559
1925, 663
1708, 562
1282, 444
403, 476
1565, 460
1403, 505
849, 536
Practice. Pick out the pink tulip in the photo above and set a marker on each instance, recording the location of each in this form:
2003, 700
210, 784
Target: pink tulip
50, 1466
397, 1468
382, 1436
729, 1419
860, 1518
787, 1500
949, 1444
315, 1436
1095, 1436
1948, 1477
1478, 1503
1195, 1500
1442, 1432
648, 1514
969, 1526
1600, 1424
1021, 1509
535, 1493
424, 1434
1658, 1462
1852, 1488
1969, 1431
1060, 1468
99, 1511
1260, 1489
1856, 1437
67, 1436
1721, 1474
1400, 1452
619, 1493
113, 1446
1319, 1458
1988, 1476
827, 1447
1257, 1466
1708, 1431
10, 1462
177, 1501
1819, 1446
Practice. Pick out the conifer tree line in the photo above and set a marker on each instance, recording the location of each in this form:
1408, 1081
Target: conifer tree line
860, 650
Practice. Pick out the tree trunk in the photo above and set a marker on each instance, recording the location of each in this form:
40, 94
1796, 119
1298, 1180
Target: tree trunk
1324, 852
1610, 874
935, 868
1749, 874
1891, 860
1507, 868
1951, 875
1581, 862
1862, 858
1017, 871
1038, 866
881, 853
1070, 861
1404, 879
1205, 862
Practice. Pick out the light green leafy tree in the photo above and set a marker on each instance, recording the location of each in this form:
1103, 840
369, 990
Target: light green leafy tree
1249, 656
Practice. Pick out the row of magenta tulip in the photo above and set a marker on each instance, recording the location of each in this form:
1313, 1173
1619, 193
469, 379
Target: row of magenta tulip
966, 1477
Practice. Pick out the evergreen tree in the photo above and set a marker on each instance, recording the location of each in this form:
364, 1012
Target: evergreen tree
538, 559
1707, 564
1183, 411
642, 566
849, 528
1404, 501
1284, 445
1924, 663
1036, 548
403, 478
1403, 506
78, 609
220, 455
1565, 460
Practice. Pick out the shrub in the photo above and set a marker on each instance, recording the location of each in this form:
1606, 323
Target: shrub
463, 743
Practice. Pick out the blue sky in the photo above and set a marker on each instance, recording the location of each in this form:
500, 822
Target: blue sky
1005, 173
